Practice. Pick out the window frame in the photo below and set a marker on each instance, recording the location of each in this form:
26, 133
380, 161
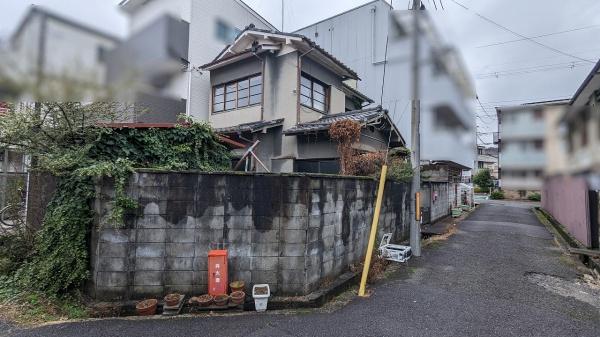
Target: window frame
326, 93
236, 92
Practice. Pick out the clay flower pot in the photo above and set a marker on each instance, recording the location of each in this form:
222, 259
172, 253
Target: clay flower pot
237, 286
205, 300
147, 307
237, 297
172, 300
221, 300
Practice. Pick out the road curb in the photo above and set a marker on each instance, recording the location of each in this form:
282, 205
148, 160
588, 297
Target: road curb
563, 237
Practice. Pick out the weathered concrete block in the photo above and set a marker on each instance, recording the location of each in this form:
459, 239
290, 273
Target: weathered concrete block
294, 263
148, 278
151, 235
293, 289
240, 262
179, 289
328, 255
187, 194
201, 250
151, 221
109, 293
327, 269
152, 193
316, 221
111, 279
238, 236
293, 236
265, 249
179, 263
200, 263
264, 276
328, 231
264, 263
239, 222
211, 222
292, 249
150, 264
178, 277
200, 277
313, 235
271, 236
113, 249
294, 210
112, 264
242, 275
292, 276
150, 250
181, 235
239, 249
294, 222
114, 235
144, 291
180, 249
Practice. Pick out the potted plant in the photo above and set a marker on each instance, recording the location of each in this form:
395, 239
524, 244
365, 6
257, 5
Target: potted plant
172, 300
237, 297
261, 294
237, 286
221, 300
146, 307
205, 300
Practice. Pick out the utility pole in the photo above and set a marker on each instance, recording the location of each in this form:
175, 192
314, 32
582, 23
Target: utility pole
415, 227
283, 16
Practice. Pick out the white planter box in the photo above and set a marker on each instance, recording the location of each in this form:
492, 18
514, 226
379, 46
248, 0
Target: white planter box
261, 301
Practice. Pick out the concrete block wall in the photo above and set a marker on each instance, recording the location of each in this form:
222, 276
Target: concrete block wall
293, 232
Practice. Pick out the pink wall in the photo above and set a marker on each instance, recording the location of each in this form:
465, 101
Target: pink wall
566, 199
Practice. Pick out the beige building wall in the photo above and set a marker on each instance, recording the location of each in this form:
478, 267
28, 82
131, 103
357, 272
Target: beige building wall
586, 157
554, 141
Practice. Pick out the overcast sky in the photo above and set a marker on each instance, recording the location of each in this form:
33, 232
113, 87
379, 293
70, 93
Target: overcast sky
507, 73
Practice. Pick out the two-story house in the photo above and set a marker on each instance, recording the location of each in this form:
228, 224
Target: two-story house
286, 91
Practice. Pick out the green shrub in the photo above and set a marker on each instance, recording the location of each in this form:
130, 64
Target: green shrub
481, 190
535, 197
497, 195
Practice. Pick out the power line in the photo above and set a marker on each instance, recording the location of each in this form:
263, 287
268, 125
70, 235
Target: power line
530, 70
539, 36
521, 35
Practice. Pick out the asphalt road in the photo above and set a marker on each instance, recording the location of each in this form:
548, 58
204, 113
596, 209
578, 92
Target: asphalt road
478, 283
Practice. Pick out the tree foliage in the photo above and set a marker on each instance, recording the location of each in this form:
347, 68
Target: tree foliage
483, 179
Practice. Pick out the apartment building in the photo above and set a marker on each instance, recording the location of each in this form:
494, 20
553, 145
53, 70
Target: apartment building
522, 146
358, 38
49, 51
159, 64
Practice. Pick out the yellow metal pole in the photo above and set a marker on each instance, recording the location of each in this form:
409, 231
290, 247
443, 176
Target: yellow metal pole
373, 236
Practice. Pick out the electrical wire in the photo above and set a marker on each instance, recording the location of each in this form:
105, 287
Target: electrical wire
521, 35
539, 36
530, 70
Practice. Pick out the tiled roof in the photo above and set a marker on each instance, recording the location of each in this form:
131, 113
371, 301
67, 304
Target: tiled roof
364, 117
310, 42
250, 127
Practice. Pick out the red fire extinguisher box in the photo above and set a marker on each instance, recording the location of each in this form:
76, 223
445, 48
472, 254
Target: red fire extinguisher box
217, 272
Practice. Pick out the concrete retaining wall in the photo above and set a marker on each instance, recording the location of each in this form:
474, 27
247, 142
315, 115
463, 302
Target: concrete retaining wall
293, 232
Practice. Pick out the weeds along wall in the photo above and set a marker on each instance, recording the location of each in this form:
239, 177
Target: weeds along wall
294, 232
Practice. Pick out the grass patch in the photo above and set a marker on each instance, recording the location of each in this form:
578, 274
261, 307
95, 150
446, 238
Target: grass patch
30, 308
